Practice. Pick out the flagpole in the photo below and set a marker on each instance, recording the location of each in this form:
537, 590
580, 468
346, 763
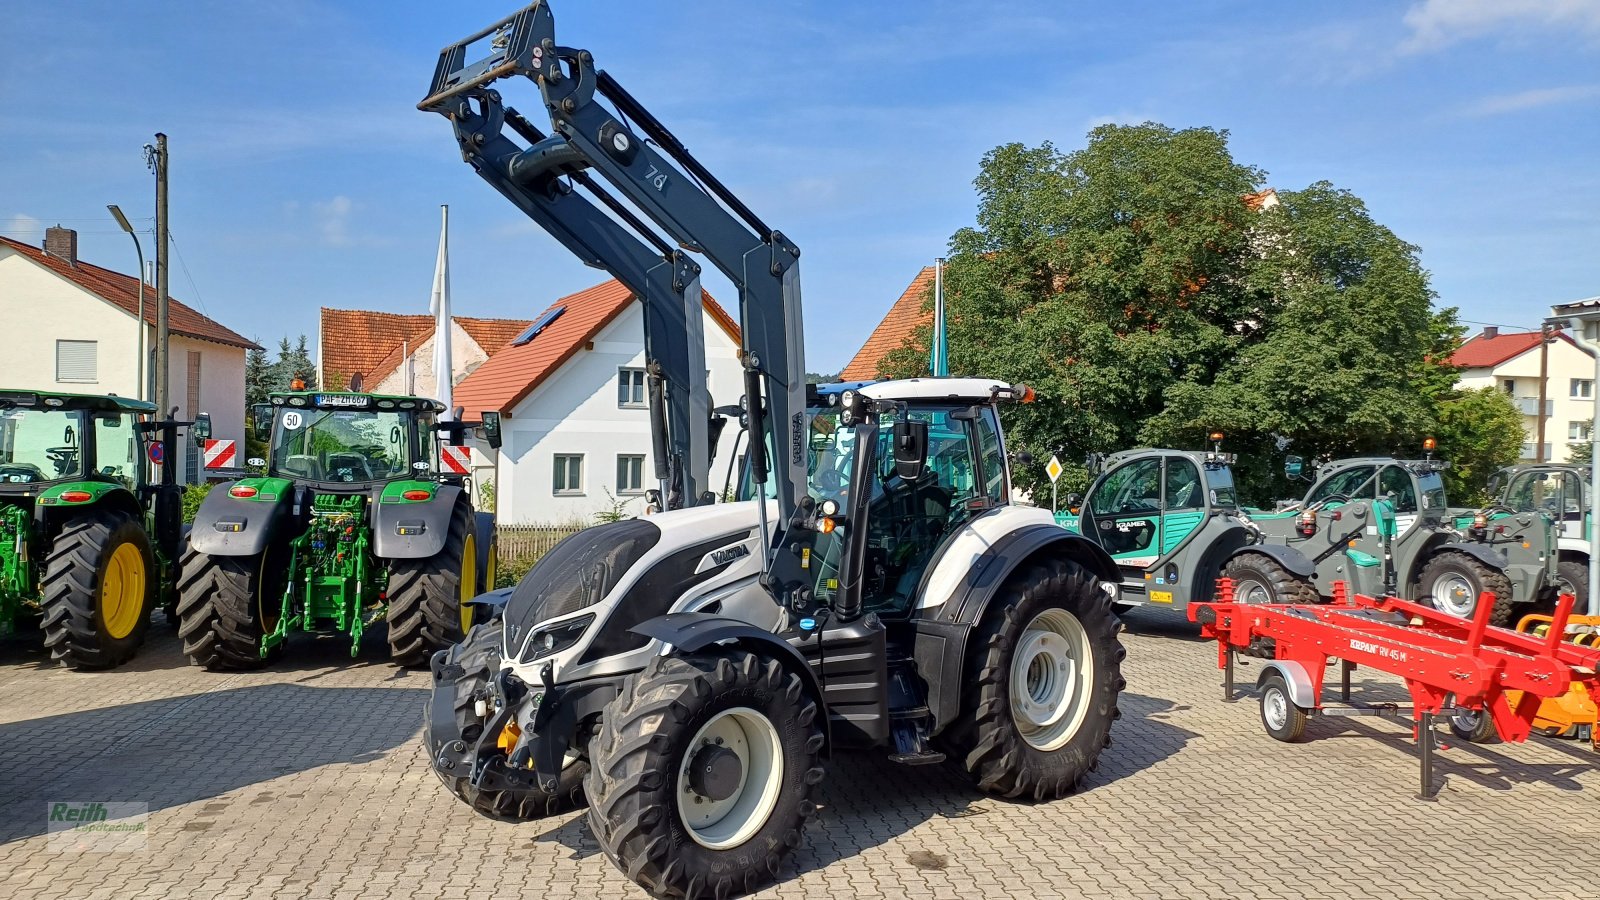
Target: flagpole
443, 368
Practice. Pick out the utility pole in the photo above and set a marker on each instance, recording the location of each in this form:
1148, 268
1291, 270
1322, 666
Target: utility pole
1544, 385
156, 158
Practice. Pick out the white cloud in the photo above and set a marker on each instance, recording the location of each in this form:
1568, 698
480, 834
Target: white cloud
1501, 104
23, 227
1439, 23
333, 220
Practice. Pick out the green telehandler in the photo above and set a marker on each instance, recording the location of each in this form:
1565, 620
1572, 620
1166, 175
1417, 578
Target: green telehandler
362, 514
88, 542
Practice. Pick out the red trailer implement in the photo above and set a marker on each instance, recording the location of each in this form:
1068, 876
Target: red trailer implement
1450, 665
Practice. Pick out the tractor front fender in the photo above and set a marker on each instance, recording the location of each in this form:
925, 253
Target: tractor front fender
1291, 559
1483, 553
226, 525
426, 523
941, 642
692, 631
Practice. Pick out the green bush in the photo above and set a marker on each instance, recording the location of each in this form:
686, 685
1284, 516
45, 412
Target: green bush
192, 495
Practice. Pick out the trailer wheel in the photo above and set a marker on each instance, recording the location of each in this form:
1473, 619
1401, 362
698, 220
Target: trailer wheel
1474, 725
1452, 582
1258, 578
1279, 714
703, 771
99, 588
1045, 676
226, 605
428, 599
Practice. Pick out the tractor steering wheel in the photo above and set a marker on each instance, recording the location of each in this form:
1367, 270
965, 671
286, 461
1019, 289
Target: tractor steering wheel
1333, 498
63, 458
830, 480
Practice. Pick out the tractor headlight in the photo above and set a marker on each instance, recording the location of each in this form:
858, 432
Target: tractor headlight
556, 638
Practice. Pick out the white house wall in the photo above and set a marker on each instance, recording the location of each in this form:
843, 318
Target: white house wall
575, 412
465, 355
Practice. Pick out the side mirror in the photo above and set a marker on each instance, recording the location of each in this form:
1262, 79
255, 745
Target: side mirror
1293, 466
910, 448
714, 435
1024, 458
1074, 501
69, 437
201, 429
491, 429
1095, 463
261, 419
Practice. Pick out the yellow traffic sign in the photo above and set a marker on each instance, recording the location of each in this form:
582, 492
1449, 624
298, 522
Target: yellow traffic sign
1053, 468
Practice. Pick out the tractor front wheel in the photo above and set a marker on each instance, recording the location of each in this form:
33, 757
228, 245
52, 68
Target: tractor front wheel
1453, 583
226, 605
1044, 682
428, 598
703, 771
99, 588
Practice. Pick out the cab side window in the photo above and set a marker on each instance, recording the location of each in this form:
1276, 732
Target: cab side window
116, 448
1397, 482
1184, 490
1134, 488
1352, 483
994, 463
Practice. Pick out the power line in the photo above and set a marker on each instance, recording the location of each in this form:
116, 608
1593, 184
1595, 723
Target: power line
187, 277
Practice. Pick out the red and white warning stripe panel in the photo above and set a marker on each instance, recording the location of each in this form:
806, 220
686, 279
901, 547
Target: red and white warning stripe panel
457, 460
220, 454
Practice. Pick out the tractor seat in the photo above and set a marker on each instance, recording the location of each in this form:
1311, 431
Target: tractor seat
352, 464
303, 465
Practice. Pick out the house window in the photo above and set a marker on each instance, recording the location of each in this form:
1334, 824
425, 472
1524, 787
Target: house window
1582, 389
1578, 431
1509, 385
77, 361
630, 474
630, 388
569, 473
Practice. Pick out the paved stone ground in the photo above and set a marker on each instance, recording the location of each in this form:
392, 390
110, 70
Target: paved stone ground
308, 781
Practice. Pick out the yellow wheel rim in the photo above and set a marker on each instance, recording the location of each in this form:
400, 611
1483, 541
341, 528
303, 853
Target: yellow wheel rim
122, 591
469, 580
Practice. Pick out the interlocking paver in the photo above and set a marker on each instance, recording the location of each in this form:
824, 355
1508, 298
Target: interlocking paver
307, 780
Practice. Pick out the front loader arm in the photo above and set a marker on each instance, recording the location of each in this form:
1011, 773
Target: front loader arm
658, 176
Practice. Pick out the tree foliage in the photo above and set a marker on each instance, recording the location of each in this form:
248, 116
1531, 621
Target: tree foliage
1481, 432
1131, 284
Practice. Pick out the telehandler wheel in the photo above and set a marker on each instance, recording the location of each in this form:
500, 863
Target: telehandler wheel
1451, 582
1045, 674
703, 771
478, 658
226, 604
99, 588
1572, 577
428, 608
1258, 578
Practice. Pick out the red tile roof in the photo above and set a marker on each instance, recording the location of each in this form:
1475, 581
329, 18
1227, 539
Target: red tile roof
1481, 352
903, 318
122, 291
506, 377
371, 343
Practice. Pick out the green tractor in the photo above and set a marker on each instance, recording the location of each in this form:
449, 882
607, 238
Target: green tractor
88, 544
358, 517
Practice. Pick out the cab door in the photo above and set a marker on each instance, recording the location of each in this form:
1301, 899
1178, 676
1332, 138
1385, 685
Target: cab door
1125, 506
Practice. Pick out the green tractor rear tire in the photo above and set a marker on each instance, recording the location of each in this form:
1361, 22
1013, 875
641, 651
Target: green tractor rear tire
99, 587
428, 608
225, 605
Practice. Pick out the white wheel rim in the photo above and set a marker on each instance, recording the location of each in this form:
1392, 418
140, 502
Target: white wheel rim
729, 822
1249, 590
1454, 594
1275, 708
1051, 679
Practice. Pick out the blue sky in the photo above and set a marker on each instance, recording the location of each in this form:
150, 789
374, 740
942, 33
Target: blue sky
303, 176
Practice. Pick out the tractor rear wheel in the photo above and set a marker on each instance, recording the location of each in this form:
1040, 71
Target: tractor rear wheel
703, 772
226, 605
99, 588
1258, 578
428, 608
1452, 583
1044, 676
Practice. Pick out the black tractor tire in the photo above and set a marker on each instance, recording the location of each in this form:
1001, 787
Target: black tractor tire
1279, 584
425, 602
477, 658
1573, 574
226, 604
1481, 576
638, 758
73, 586
986, 740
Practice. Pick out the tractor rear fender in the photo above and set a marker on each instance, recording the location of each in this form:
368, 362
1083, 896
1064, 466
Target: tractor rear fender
427, 523
483, 523
102, 495
226, 525
1301, 693
1291, 559
941, 642
693, 631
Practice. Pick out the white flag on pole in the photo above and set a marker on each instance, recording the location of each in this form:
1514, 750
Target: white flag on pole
443, 371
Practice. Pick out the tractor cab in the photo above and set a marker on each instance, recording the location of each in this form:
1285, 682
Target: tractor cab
340, 440
47, 439
1531, 502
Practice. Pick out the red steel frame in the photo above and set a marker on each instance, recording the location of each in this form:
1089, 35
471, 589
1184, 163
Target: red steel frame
1439, 656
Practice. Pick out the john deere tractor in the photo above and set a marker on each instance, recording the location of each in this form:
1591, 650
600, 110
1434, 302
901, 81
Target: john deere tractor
87, 542
352, 522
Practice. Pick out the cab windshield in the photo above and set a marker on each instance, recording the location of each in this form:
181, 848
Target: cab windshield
344, 446
40, 445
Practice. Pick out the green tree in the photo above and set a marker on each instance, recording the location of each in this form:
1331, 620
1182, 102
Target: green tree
1479, 432
257, 377
293, 362
1581, 454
